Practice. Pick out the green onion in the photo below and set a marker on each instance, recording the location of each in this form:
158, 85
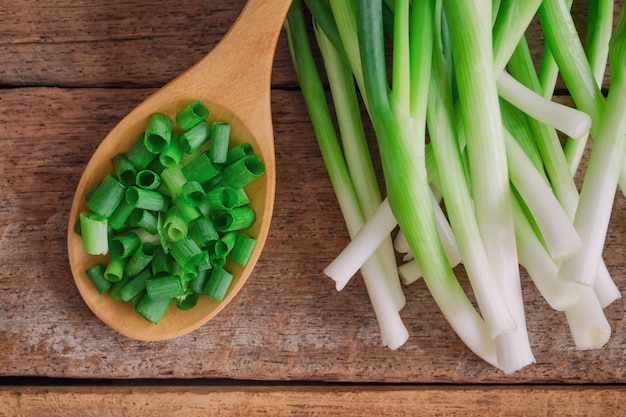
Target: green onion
203, 231
153, 310
140, 259
218, 283
158, 133
146, 199
96, 275
238, 151
166, 287
170, 157
241, 252
175, 226
195, 137
243, 171
193, 193
191, 115
94, 232
200, 169
220, 134
138, 154
135, 286
107, 196
124, 245
186, 252
236, 219
124, 170
148, 180
143, 219
115, 269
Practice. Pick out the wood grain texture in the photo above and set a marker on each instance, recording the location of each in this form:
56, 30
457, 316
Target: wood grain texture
69, 72
345, 401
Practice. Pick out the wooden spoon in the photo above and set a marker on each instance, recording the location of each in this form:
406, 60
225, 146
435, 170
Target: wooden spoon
233, 80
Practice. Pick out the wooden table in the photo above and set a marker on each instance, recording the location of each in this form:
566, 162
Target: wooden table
289, 343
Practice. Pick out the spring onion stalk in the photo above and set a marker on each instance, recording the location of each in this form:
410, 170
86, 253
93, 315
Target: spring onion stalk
539, 264
473, 60
458, 201
556, 227
602, 176
549, 70
513, 18
587, 321
393, 332
548, 142
574, 66
559, 30
400, 134
570, 121
357, 156
516, 123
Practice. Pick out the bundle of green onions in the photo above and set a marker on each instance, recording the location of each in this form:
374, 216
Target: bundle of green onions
466, 126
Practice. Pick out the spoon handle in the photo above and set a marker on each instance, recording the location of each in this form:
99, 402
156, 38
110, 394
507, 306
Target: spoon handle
245, 56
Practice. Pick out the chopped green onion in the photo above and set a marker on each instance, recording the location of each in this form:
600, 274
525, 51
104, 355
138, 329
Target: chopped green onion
96, 275
236, 219
195, 137
138, 154
197, 284
241, 252
146, 199
140, 259
148, 180
191, 115
158, 133
107, 196
220, 133
193, 193
170, 157
225, 244
114, 271
124, 170
186, 252
122, 213
124, 245
187, 211
218, 283
222, 198
135, 286
161, 263
200, 169
175, 226
203, 231
143, 219
238, 151
152, 310
243, 171
174, 179
187, 301
94, 232
167, 287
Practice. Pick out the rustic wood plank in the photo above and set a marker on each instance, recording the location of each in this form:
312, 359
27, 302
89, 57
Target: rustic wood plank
288, 323
345, 401
136, 43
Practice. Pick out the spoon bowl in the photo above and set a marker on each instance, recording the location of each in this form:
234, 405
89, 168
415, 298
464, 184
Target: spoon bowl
233, 81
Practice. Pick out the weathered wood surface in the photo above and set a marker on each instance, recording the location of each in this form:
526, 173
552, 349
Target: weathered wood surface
342, 401
69, 71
